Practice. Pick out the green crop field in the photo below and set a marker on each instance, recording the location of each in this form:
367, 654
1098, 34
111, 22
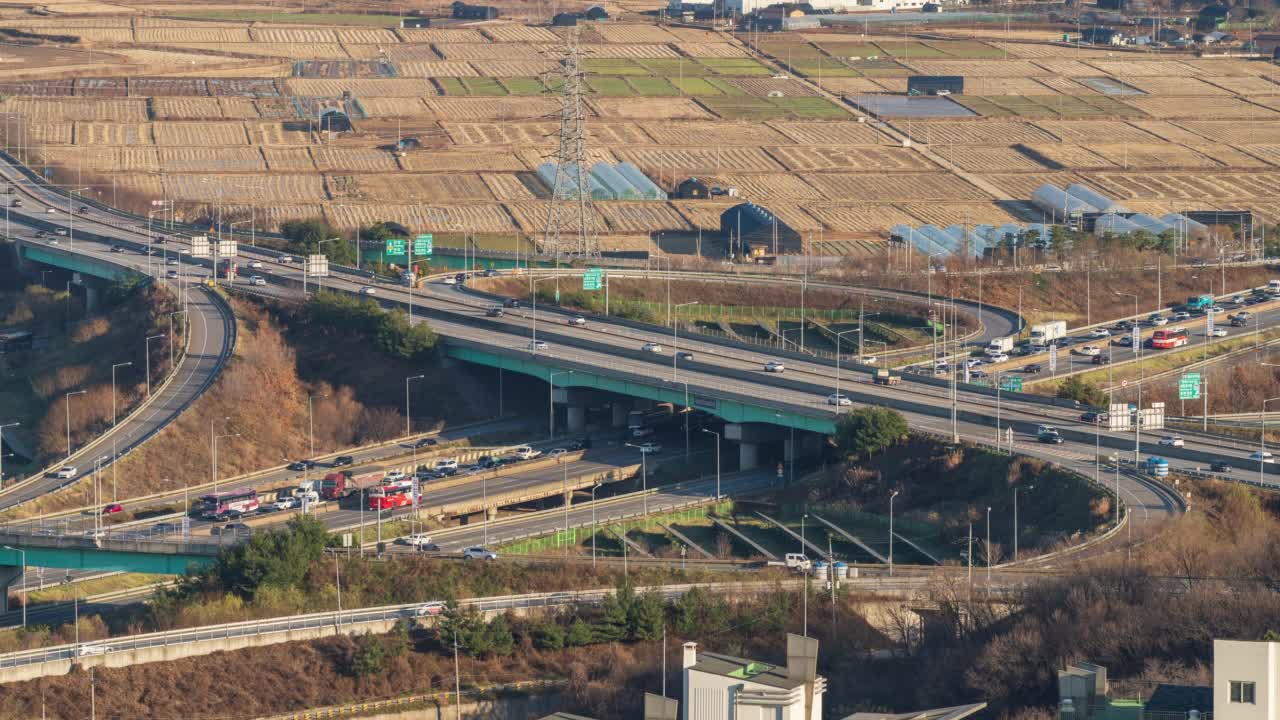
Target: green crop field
851, 49
981, 105
970, 49
452, 86
484, 86
743, 108
523, 86
909, 49
615, 66
610, 86
653, 86
783, 50
824, 68
676, 67
696, 86
736, 67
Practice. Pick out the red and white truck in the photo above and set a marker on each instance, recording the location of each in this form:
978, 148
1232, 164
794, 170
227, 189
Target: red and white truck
337, 485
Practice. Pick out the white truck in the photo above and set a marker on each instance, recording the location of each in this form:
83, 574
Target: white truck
999, 346
1045, 333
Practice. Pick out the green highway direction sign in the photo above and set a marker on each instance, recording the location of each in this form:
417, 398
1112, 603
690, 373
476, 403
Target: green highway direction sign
423, 245
593, 279
1011, 384
395, 246
1189, 386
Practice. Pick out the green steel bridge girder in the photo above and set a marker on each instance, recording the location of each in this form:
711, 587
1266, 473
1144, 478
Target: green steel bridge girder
728, 409
74, 263
96, 559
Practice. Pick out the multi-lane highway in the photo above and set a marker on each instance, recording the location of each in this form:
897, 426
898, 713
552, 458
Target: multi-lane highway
724, 370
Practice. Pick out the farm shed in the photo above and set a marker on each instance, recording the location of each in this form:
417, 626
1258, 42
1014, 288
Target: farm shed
595, 12
692, 189
463, 11
415, 22
758, 231
564, 20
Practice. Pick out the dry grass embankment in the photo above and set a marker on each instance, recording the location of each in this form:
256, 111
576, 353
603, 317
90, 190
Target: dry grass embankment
262, 395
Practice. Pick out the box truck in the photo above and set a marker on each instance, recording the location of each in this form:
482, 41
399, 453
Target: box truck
1045, 333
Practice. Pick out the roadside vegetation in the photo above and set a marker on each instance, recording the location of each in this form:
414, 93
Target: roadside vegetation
74, 353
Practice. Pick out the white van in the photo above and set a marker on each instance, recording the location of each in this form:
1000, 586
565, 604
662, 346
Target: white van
527, 453
797, 561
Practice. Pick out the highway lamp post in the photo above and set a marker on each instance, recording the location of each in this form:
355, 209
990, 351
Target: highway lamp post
593, 525
806, 576
149, 237
712, 432
675, 332
2, 427
24, 583
1137, 424
551, 401
644, 476
320, 250
215, 456
114, 419
97, 494
311, 431
147, 343
840, 335
173, 345
892, 495
988, 548
1262, 435
71, 230
408, 422
533, 291
68, 404
213, 453
687, 410
337, 579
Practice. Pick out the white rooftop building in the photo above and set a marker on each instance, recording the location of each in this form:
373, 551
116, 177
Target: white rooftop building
722, 687
1246, 680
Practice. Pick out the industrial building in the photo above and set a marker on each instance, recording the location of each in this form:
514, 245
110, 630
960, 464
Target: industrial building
754, 231
723, 687
564, 19
935, 84
622, 181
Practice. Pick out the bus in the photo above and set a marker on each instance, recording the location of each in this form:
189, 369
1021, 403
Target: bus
216, 506
389, 497
1168, 339
1199, 302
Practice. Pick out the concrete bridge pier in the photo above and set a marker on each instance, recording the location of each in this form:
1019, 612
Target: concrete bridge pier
749, 437
620, 410
576, 402
576, 418
491, 512
9, 575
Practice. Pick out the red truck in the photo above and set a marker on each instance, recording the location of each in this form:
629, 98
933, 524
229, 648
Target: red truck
337, 485
227, 269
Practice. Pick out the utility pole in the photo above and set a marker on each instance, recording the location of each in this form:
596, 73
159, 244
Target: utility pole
572, 183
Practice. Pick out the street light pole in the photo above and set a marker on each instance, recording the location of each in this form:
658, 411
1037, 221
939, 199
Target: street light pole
988, 548
1262, 455
215, 456
24, 582
718, 459
644, 476
892, 495
2, 427
593, 525
68, 404
311, 423
839, 335
147, 343
114, 419
173, 345
675, 332
407, 417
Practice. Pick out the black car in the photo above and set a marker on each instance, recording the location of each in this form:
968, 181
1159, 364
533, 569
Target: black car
424, 442
1094, 417
682, 355
1101, 360
429, 547
342, 460
1032, 369
511, 303
1050, 438
493, 312
491, 273
302, 464
117, 248
1219, 466
485, 462
460, 277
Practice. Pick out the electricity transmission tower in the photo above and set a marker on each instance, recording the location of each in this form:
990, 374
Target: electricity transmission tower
570, 220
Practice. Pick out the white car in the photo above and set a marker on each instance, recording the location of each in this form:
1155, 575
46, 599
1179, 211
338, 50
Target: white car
368, 291
774, 366
998, 358
973, 362
430, 609
650, 449
1181, 316
577, 321
86, 650
868, 360
839, 400
652, 347
1219, 332
286, 503
479, 553
417, 539
172, 274
447, 464
49, 211
1172, 441
66, 472
171, 261
257, 280
556, 452
1090, 350
537, 345
1099, 333
1264, 456
1158, 320
286, 259
60, 231
255, 265
527, 453
394, 476
451, 280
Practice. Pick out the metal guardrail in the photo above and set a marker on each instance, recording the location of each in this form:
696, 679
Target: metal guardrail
339, 619
361, 708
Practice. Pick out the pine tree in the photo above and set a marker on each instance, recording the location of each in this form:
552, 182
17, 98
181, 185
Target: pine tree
369, 656
647, 616
580, 633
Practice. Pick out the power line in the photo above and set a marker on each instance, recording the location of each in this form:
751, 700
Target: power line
571, 189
